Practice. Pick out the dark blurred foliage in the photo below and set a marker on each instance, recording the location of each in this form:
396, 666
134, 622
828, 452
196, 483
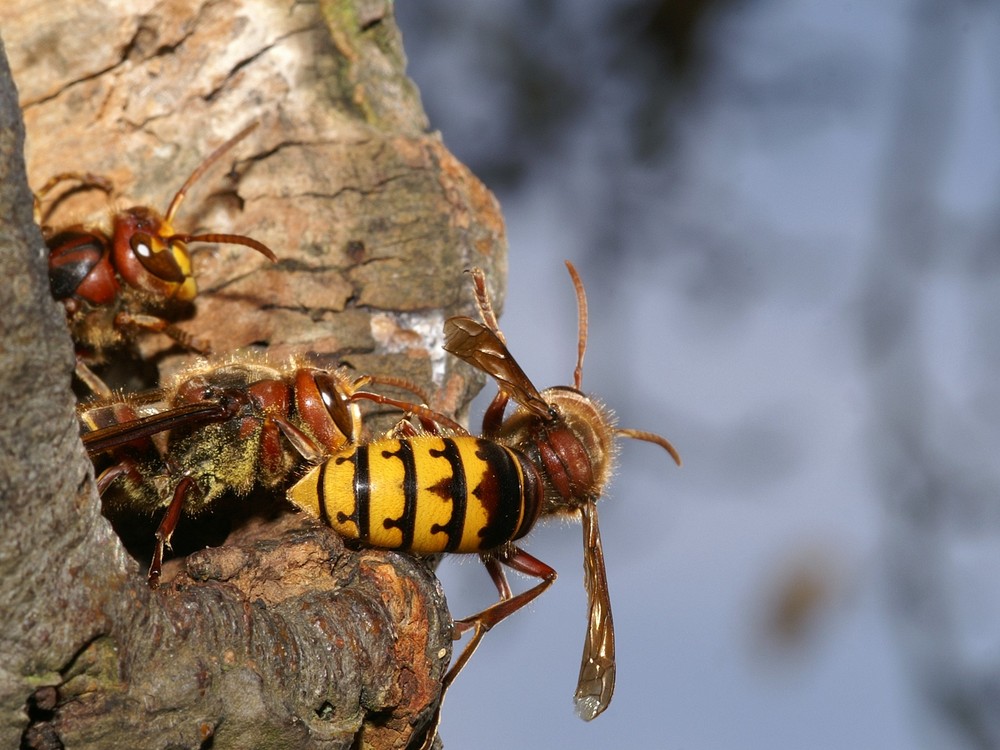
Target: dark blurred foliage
545, 63
629, 70
661, 53
931, 455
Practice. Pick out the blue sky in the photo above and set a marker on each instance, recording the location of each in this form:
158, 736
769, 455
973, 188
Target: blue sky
743, 282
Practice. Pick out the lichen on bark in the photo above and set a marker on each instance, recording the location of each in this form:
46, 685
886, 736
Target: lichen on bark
280, 636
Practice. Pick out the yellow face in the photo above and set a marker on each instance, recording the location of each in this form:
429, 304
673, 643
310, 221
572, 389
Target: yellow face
148, 258
188, 289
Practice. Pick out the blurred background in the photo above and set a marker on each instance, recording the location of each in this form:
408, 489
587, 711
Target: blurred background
786, 217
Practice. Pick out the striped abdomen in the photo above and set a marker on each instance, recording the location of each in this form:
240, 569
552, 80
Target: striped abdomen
425, 494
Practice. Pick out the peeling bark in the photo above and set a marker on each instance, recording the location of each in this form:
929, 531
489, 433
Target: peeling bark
281, 636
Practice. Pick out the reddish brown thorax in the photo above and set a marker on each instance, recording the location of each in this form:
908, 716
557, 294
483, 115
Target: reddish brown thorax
575, 448
80, 268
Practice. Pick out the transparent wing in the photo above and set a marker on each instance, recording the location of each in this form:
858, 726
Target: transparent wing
597, 669
115, 436
482, 348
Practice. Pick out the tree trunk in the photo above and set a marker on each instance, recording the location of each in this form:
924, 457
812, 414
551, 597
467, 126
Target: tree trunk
280, 637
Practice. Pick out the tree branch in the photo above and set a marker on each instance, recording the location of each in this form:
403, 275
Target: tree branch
280, 636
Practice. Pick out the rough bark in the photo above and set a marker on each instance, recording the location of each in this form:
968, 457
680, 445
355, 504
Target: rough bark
280, 637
